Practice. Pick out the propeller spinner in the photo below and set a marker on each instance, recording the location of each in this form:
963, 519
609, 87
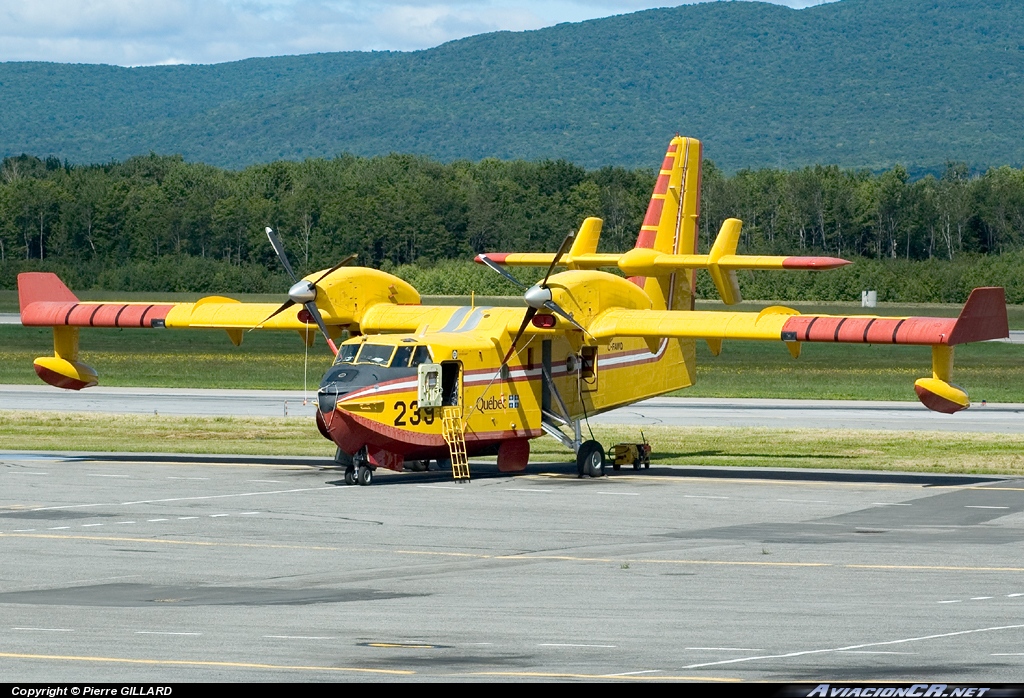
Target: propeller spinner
303, 292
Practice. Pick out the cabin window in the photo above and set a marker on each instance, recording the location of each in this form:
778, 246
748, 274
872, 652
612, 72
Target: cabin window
376, 354
347, 354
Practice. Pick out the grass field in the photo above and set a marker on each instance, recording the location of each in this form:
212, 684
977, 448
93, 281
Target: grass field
784, 448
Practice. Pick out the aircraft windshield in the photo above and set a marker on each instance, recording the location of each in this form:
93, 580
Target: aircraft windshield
376, 354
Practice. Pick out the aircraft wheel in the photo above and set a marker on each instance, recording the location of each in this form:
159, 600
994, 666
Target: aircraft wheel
590, 459
365, 476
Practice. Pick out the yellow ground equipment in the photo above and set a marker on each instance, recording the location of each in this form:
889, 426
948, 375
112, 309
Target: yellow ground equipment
631, 454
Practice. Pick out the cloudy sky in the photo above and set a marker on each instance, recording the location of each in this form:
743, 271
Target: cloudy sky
150, 32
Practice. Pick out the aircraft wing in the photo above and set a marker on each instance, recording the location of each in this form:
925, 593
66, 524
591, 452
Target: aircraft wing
983, 317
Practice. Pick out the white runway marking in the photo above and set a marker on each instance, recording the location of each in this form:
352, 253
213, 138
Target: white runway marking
48, 630
953, 601
440, 487
155, 520
88, 525
555, 644
980, 598
512, 489
298, 637
174, 477
1013, 595
274, 481
969, 506
249, 513
215, 516
702, 496
856, 647
119, 523
23, 530
101, 475
627, 494
805, 501
57, 528
15, 472
187, 518
891, 504
636, 673
873, 652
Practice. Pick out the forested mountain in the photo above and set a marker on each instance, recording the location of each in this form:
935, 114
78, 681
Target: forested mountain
858, 83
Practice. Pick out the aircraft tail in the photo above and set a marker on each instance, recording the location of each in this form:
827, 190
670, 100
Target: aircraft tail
670, 226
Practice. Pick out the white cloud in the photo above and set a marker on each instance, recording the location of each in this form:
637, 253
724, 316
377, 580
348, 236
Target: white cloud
151, 32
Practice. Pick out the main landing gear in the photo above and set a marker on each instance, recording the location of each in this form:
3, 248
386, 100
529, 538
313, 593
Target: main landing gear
590, 459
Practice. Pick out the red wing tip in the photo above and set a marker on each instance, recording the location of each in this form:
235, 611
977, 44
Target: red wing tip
814, 263
496, 257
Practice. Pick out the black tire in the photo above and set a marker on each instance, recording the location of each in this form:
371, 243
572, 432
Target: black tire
590, 459
636, 464
444, 464
365, 475
350, 475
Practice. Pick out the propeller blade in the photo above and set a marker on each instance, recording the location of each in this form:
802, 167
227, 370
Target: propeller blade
504, 272
558, 255
343, 263
278, 246
287, 304
553, 307
530, 312
315, 312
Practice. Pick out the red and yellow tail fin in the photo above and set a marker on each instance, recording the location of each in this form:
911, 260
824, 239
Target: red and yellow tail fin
670, 225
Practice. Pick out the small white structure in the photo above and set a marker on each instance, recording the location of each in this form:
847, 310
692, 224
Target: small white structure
868, 299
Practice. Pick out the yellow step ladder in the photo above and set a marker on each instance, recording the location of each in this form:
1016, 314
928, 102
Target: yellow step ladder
455, 437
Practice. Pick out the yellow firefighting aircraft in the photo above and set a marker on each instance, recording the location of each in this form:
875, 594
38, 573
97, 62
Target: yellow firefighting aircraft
416, 382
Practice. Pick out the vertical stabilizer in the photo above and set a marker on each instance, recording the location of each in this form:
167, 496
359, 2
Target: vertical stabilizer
670, 225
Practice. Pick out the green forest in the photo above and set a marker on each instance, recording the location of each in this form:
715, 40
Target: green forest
857, 83
159, 223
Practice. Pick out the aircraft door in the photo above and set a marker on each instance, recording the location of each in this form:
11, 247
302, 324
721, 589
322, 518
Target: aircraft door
430, 392
451, 384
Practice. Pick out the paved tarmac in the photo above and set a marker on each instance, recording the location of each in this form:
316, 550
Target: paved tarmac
826, 414
128, 568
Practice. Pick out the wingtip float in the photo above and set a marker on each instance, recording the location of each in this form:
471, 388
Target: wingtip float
415, 382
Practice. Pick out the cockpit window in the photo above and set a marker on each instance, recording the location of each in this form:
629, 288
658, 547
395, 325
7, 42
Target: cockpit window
376, 354
347, 354
421, 356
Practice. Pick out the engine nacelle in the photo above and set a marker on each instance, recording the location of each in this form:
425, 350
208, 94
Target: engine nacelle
940, 396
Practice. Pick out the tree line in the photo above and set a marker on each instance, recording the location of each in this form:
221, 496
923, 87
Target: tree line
160, 223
